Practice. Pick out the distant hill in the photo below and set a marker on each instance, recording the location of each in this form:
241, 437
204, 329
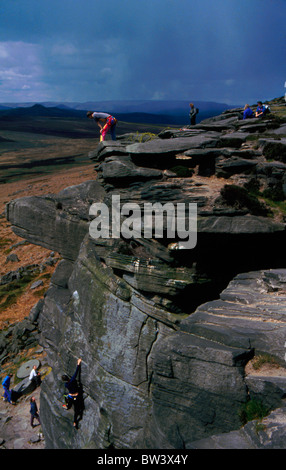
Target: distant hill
160, 112
38, 110
62, 111
177, 109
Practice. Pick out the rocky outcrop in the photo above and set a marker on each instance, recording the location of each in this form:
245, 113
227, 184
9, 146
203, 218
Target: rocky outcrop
165, 334
59, 222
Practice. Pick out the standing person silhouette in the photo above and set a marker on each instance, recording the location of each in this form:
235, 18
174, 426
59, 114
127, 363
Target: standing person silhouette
193, 113
34, 411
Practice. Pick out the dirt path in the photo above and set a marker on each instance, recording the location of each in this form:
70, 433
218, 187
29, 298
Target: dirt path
15, 428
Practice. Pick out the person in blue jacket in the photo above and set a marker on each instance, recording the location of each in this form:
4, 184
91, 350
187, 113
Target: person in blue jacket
74, 396
6, 386
247, 113
260, 111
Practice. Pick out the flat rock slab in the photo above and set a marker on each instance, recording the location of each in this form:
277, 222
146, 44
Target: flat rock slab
172, 146
231, 440
25, 369
238, 225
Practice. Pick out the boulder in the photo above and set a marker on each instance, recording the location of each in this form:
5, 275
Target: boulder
12, 258
124, 170
233, 139
35, 311
234, 165
268, 433
274, 148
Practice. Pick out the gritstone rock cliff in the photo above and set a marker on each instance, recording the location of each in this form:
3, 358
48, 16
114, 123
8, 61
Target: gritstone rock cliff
165, 334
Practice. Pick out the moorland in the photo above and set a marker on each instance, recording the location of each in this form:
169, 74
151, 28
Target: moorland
39, 140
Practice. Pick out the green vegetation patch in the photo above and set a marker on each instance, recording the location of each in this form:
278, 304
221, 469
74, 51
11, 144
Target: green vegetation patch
275, 151
182, 171
275, 194
274, 197
5, 242
141, 137
252, 409
264, 359
238, 197
10, 292
277, 206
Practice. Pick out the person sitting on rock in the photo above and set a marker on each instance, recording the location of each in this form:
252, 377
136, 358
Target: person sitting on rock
74, 396
247, 113
35, 376
109, 123
260, 111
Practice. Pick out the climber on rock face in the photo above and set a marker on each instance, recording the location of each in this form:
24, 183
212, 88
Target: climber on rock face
74, 396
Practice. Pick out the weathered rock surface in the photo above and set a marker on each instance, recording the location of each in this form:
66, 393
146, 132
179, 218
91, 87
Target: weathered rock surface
59, 222
18, 337
165, 334
268, 434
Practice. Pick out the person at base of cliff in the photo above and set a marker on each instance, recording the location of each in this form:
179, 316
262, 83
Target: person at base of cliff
35, 376
260, 111
34, 412
193, 114
74, 397
7, 396
247, 113
109, 123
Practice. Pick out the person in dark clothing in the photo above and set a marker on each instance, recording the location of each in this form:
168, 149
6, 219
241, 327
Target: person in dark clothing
260, 111
34, 411
193, 114
74, 396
